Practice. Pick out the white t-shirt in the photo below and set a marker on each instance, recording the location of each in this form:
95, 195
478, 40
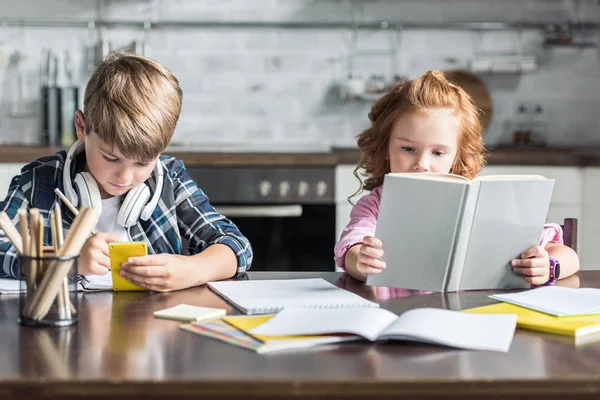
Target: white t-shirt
108, 219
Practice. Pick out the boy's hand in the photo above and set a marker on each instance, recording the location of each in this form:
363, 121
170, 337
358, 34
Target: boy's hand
94, 257
369, 254
534, 265
158, 272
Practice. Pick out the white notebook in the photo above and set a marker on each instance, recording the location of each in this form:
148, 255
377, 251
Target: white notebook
271, 296
556, 300
93, 283
429, 325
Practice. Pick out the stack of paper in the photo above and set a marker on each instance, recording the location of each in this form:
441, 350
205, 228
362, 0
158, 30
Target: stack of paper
582, 329
235, 330
186, 312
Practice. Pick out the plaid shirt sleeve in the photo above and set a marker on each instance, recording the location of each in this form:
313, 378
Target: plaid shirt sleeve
202, 225
14, 200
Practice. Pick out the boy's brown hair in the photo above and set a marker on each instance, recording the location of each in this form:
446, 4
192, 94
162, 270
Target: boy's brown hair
430, 90
133, 103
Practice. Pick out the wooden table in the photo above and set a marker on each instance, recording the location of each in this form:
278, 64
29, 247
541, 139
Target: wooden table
119, 350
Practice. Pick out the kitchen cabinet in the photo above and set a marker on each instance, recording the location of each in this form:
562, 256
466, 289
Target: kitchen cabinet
7, 172
346, 184
589, 225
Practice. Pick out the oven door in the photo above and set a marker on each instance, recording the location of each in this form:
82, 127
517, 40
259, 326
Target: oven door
287, 237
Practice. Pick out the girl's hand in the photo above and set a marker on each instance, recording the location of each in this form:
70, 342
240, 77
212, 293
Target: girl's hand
369, 254
158, 272
534, 265
94, 257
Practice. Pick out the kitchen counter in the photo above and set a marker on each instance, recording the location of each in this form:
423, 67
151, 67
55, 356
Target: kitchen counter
550, 156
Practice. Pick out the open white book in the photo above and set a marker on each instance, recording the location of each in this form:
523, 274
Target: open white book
428, 325
444, 232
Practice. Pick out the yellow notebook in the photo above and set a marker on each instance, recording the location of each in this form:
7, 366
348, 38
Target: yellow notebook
247, 323
529, 319
119, 253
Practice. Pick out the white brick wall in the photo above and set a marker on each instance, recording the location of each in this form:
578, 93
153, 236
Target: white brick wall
256, 88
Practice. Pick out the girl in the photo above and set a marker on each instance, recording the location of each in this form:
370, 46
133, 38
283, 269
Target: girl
428, 124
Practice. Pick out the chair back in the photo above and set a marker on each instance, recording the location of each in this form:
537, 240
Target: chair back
569, 228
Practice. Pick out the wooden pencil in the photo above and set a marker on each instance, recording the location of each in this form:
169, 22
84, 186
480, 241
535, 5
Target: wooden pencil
34, 269
11, 232
60, 241
26, 264
69, 205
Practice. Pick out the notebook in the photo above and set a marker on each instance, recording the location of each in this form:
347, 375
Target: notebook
8, 286
234, 332
556, 300
186, 312
427, 325
576, 327
271, 296
93, 283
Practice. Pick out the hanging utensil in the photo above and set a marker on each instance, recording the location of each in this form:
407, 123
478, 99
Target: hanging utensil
51, 100
70, 103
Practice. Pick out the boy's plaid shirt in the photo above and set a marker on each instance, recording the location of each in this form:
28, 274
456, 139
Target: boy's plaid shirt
183, 212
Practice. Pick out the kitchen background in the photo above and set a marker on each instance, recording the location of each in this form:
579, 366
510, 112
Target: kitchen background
254, 87
298, 77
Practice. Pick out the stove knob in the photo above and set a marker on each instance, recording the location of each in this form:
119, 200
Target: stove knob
284, 188
321, 188
302, 188
264, 188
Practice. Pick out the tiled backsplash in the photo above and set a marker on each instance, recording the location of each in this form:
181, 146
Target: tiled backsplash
255, 88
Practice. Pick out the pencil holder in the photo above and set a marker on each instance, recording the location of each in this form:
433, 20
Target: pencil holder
48, 295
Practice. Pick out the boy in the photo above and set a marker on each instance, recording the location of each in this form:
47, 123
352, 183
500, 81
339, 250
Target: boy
131, 105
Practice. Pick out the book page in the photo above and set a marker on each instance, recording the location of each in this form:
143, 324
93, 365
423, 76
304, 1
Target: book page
509, 219
366, 322
432, 176
515, 177
454, 329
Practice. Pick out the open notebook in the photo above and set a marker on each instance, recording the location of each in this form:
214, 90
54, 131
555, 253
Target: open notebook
271, 296
85, 284
427, 325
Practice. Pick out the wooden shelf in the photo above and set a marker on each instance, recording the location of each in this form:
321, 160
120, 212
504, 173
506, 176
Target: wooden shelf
556, 156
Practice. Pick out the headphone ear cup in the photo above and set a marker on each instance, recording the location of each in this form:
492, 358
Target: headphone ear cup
132, 206
88, 191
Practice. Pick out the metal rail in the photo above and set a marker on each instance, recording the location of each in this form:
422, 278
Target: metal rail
369, 25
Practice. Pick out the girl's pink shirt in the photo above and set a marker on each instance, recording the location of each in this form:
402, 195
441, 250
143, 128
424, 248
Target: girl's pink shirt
363, 220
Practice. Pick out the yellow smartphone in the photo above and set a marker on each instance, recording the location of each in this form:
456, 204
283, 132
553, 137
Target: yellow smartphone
119, 253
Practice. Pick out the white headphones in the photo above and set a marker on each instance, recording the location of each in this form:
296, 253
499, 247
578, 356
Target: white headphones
86, 192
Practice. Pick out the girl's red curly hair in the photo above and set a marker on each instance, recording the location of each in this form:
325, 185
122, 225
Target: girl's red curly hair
430, 90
